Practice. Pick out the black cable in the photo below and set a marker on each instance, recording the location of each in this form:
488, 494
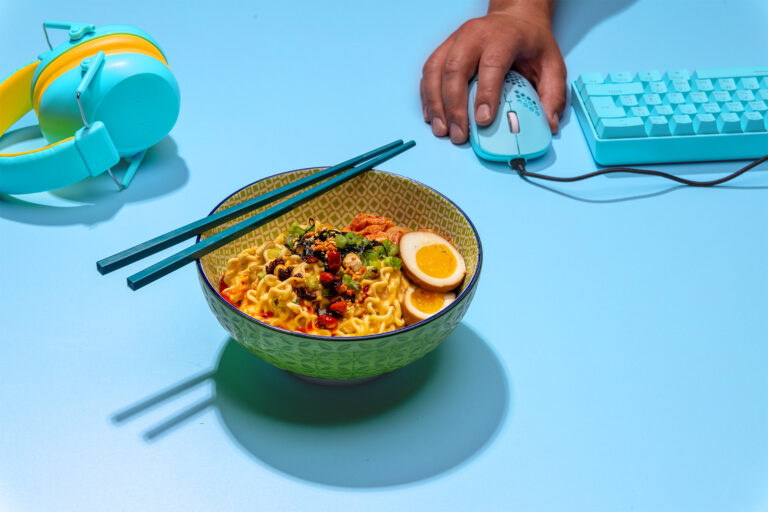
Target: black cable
518, 164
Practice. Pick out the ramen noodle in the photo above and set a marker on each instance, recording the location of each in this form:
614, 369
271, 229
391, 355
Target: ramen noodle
318, 280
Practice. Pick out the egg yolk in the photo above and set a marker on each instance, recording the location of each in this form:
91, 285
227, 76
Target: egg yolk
427, 302
436, 261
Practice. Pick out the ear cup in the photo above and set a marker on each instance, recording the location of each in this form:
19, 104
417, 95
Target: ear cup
134, 95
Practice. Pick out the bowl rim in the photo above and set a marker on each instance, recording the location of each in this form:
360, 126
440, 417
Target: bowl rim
349, 339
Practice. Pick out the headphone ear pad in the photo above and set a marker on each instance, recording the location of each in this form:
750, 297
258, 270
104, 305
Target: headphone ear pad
134, 95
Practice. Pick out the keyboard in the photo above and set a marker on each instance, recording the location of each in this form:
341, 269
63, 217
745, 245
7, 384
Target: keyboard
678, 115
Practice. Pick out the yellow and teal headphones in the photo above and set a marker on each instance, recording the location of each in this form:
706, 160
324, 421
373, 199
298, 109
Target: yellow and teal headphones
105, 94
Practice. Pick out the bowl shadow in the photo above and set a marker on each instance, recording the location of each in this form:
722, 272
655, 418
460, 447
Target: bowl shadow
407, 426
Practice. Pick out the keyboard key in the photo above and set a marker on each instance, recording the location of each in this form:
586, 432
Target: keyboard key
674, 98
698, 97
728, 123
657, 87
676, 74
662, 110
749, 83
734, 106
649, 76
757, 106
703, 85
589, 78
686, 109
620, 128
752, 122
709, 108
726, 84
764, 81
613, 89
681, 125
763, 94
657, 126
603, 106
704, 123
651, 99
628, 101
639, 112
720, 97
731, 72
680, 86
621, 76
744, 96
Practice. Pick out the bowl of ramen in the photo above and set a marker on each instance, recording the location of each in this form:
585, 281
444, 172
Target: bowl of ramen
355, 283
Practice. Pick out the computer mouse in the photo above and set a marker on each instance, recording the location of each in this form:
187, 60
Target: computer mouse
520, 129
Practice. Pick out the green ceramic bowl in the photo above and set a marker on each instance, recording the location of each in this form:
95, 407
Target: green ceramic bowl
345, 360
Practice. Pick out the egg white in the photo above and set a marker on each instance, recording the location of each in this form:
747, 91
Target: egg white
412, 314
410, 243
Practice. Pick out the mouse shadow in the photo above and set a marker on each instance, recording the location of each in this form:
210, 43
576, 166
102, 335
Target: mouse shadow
408, 426
548, 159
95, 199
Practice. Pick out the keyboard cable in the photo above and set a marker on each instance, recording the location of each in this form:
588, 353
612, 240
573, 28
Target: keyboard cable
518, 164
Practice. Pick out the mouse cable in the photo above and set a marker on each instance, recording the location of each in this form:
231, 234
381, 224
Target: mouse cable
518, 164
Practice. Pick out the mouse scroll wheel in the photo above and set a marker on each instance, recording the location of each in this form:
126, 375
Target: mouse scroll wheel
514, 124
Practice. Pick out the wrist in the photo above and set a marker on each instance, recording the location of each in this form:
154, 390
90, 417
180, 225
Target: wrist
539, 10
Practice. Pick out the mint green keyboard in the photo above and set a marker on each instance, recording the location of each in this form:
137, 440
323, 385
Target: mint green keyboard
674, 116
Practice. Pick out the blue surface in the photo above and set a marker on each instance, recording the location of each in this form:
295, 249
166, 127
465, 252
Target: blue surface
613, 359
674, 116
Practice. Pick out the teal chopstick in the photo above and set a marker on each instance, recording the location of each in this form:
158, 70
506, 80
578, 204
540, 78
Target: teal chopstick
175, 236
212, 243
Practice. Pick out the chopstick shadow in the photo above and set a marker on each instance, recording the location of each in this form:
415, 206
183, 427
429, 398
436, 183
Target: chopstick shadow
95, 199
407, 426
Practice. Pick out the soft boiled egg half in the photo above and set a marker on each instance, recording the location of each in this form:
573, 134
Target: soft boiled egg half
431, 261
420, 304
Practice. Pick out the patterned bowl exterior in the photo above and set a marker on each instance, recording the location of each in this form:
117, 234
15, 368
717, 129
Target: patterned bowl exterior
406, 201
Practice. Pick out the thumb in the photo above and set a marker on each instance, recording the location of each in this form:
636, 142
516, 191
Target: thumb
551, 88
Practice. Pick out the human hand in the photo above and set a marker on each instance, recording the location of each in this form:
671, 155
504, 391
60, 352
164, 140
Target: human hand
520, 35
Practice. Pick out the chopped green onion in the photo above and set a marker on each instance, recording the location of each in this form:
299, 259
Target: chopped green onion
380, 251
289, 239
341, 241
275, 301
273, 252
354, 285
393, 249
371, 273
346, 279
369, 257
312, 282
261, 275
391, 261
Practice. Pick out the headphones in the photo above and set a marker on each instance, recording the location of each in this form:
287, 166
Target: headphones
105, 94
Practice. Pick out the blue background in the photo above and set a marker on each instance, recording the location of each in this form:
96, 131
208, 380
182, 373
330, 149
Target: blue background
614, 358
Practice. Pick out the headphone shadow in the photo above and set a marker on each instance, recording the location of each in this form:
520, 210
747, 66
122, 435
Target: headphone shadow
413, 424
95, 199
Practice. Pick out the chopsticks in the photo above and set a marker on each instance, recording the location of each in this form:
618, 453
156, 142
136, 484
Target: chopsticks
192, 229
212, 243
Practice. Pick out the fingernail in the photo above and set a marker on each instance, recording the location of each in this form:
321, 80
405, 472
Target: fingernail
438, 127
483, 113
554, 123
457, 134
